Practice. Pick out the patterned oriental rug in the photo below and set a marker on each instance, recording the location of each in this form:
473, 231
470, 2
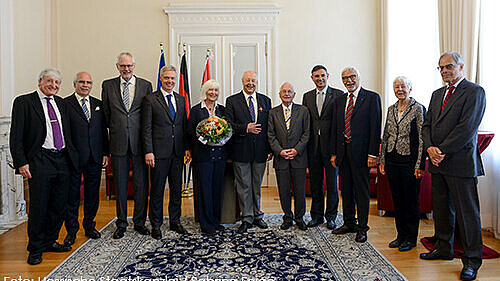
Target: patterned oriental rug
265, 255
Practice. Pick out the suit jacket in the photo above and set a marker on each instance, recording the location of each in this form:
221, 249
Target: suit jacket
161, 135
366, 121
454, 131
199, 151
28, 129
90, 138
124, 127
247, 147
320, 124
296, 137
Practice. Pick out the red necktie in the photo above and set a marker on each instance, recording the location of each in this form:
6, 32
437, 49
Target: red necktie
348, 113
447, 98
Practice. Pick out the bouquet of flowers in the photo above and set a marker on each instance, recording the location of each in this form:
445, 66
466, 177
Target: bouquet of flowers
214, 131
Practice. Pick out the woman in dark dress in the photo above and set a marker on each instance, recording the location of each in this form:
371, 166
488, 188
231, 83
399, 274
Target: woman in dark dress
402, 159
208, 161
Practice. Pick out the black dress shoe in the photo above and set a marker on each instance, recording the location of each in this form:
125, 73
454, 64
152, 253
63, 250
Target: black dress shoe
343, 230
361, 237
119, 232
395, 243
70, 239
93, 233
34, 258
314, 222
156, 233
220, 227
406, 246
434, 255
209, 232
142, 229
330, 224
286, 225
301, 225
177, 227
468, 273
58, 248
260, 223
243, 227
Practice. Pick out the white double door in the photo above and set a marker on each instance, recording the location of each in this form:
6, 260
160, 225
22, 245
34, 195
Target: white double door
229, 57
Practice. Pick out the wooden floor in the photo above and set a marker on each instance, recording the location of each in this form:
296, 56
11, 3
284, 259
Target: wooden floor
13, 243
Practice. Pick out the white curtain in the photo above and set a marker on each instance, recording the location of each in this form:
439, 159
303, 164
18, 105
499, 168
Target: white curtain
459, 31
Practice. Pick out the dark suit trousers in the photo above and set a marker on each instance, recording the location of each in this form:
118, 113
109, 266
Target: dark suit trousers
92, 181
171, 168
48, 191
210, 177
405, 189
456, 199
286, 178
319, 166
121, 167
354, 182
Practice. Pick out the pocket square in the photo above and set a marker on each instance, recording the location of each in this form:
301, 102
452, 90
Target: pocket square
97, 108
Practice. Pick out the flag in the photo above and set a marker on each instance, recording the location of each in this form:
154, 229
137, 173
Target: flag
184, 83
162, 64
206, 72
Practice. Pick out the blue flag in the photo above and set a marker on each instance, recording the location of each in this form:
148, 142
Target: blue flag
162, 64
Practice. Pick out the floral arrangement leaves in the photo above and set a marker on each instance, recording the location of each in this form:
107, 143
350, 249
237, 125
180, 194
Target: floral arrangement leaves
214, 131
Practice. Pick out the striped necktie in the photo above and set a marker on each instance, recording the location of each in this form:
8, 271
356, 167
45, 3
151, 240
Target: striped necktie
348, 113
447, 98
287, 118
126, 95
85, 109
251, 108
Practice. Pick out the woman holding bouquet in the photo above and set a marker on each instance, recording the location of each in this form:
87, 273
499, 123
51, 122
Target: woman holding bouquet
208, 133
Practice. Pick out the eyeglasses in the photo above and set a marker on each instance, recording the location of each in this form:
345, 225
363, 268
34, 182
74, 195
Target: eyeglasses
352, 77
448, 66
84, 82
126, 65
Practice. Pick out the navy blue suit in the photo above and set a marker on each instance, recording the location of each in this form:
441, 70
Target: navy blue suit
352, 158
209, 163
90, 138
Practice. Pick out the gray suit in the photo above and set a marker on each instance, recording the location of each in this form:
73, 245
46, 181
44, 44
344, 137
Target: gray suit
454, 181
290, 171
125, 145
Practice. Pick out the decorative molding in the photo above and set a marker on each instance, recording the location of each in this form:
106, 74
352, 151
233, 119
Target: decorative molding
7, 91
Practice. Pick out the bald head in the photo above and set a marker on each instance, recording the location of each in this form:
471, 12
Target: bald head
83, 84
249, 81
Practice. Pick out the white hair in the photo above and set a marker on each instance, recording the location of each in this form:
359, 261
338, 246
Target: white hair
353, 69
404, 80
120, 55
210, 84
50, 72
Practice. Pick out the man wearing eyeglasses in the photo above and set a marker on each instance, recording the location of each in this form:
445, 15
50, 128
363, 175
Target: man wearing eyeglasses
450, 139
356, 125
90, 138
122, 99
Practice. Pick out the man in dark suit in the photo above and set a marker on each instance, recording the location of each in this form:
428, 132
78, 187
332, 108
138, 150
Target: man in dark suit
356, 125
319, 101
247, 111
164, 120
42, 152
288, 133
90, 138
450, 138
121, 101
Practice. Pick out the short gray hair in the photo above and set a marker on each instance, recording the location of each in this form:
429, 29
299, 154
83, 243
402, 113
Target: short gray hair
347, 68
50, 72
76, 75
167, 68
210, 84
456, 57
284, 83
120, 55
403, 79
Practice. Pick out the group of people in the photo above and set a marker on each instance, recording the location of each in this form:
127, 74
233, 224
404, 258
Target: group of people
54, 140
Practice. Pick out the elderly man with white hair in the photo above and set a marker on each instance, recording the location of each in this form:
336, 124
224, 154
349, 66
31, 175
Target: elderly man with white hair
42, 151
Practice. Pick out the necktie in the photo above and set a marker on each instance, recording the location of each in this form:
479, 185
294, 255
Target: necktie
85, 109
126, 95
287, 118
171, 106
251, 108
320, 100
56, 128
447, 98
348, 114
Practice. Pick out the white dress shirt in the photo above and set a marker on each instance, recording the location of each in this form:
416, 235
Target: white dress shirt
131, 89
49, 138
87, 103
204, 105
165, 93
